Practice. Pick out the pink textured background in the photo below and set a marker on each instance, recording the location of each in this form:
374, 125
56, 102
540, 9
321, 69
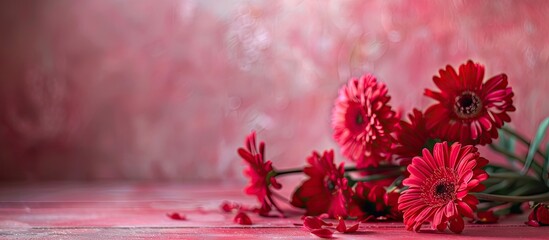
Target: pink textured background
167, 90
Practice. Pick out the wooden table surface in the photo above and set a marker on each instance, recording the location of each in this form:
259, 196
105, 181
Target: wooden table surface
138, 211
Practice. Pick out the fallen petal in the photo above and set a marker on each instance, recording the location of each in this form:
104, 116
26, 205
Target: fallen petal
323, 233
324, 216
533, 223
353, 228
341, 227
314, 223
242, 219
226, 206
177, 216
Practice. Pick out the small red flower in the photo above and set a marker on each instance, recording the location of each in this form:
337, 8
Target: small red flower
326, 190
412, 138
177, 216
539, 216
486, 217
469, 111
242, 219
439, 186
261, 174
363, 121
374, 203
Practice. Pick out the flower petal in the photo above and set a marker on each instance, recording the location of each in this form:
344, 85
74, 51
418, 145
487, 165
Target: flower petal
242, 219
323, 233
177, 216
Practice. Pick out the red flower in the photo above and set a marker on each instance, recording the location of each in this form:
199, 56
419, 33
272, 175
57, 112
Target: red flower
439, 186
412, 138
363, 121
539, 216
326, 190
374, 203
469, 111
261, 173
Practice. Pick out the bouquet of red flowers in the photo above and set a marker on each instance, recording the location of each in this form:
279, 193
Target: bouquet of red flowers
423, 170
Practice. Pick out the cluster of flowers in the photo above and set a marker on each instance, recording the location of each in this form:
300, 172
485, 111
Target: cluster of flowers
425, 170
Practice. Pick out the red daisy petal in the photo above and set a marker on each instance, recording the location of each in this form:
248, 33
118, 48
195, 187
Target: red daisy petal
242, 219
438, 187
342, 228
456, 225
326, 190
467, 109
363, 121
314, 222
323, 233
260, 172
539, 215
177, 216
412, 138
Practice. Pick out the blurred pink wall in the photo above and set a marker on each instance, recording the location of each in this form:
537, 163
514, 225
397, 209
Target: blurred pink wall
167, 90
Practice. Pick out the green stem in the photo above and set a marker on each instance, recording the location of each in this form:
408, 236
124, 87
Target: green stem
498, 186
494, 166
288, 171
522, 139
378, 176
510, 175
508, 154
395, 183
544, 197
347, 169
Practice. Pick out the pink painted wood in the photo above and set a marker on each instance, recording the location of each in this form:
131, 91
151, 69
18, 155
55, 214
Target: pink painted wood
138, 211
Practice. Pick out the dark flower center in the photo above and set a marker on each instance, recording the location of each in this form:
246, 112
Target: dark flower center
359, 118
467, 105
444, 191
330, 185
440, 187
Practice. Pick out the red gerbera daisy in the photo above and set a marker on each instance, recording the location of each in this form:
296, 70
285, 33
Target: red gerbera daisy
261, 173
375, 203
439, 186
363, 121
326, 190
469, 111
412, 138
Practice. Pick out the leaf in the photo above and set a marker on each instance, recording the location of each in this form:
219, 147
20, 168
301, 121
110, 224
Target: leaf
350, 181
544, 173
507, 142
540, 134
